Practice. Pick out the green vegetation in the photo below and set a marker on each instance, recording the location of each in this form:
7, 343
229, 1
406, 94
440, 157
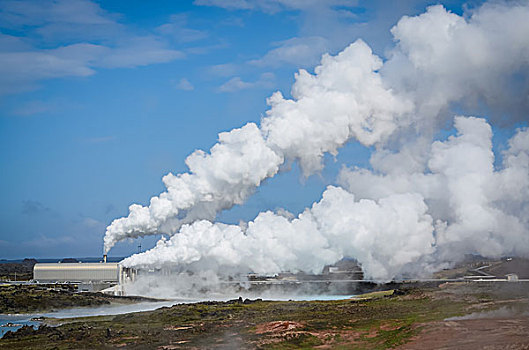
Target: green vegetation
374, 295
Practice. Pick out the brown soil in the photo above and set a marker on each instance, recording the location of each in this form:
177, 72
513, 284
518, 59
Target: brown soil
491, 334
277, 326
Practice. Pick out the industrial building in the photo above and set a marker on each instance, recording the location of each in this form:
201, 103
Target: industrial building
77, 272
87, 276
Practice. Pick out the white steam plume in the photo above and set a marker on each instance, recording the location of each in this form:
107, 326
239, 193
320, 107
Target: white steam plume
476, 209
383, 235
235, 166
390, 233
442, 59
346, 98
423, 203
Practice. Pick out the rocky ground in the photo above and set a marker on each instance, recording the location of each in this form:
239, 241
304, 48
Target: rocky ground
468, 315
20, 298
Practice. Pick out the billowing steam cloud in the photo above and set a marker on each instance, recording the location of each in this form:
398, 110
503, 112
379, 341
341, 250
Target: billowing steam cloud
346, 98
476, 210
423, 203
225, 177
453, 209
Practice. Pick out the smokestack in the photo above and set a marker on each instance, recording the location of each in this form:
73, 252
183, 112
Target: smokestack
105, 258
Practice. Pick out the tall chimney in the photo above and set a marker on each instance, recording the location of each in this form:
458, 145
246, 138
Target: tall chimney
105, 258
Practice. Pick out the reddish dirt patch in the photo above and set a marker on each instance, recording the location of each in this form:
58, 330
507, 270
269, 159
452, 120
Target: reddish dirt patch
277, 327
389, 326
473, 334
177, 328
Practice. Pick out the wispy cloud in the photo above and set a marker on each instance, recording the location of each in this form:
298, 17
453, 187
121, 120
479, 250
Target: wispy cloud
177, 29
63, 38
205, 49
52, 18
324, 26
33, 207
319, 23
297, 51
273, 6
92, 223
233, 22
33, 108
49, 241
266, 80
222, 70
183, 84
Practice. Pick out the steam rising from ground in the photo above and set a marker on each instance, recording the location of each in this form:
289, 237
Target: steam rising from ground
422, 204
503, 312
208, 285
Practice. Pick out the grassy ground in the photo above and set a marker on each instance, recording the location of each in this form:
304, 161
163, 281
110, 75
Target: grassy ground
374, 321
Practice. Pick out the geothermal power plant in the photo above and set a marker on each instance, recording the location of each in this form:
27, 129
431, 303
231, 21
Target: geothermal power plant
435, 189
343, 278
346, 174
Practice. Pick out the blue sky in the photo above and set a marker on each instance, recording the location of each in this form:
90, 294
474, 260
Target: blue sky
98, 100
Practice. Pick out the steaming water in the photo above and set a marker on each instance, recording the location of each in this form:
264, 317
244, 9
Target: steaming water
114, 309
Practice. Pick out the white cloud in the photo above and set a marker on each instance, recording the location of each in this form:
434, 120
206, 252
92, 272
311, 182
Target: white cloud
321, 21
223, 70
184, 84
272, 6
137, 51
72, 38
204, 49
60, 19
10, 43
20, 70
233, 22
178, 31
266, 80
296, 51
33, 107
91, 222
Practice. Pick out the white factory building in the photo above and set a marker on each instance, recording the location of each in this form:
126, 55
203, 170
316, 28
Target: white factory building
88, 276
77, 272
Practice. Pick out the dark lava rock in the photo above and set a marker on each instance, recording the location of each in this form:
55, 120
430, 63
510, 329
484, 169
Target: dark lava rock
21, 332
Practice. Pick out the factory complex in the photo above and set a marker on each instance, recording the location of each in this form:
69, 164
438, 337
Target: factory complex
86, 276
345, 276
